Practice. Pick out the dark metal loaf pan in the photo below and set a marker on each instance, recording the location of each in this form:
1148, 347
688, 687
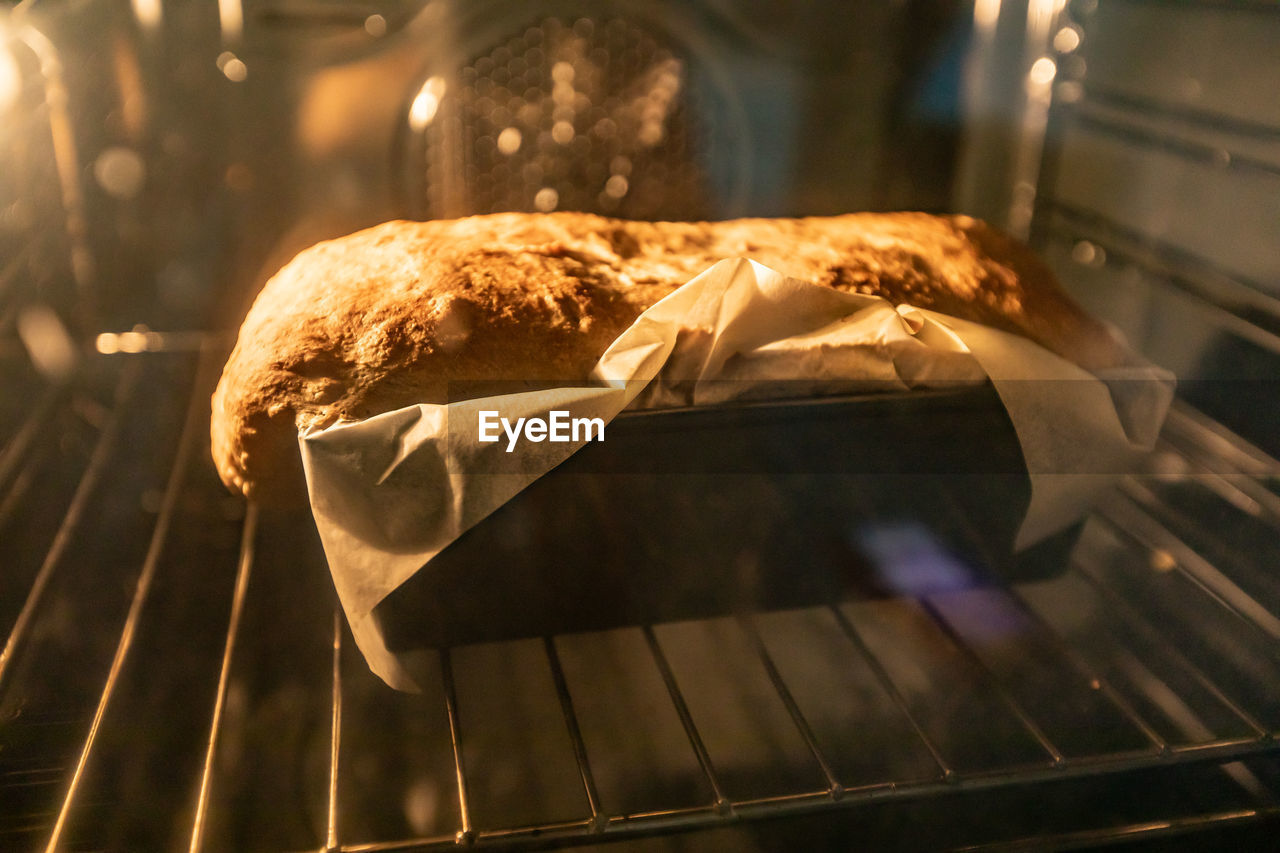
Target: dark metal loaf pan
701, 512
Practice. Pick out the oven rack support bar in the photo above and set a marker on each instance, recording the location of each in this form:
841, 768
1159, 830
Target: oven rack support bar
578, 832
1212, 155
946, 773
721, 803
103, 451
1060, 643
1190, 271
1134, 515
11, 497
15, 454
1235, 489
1188, 115
335, 733
192, 427
1239, 489
19, 471
1125, 611
1010, 702
834, 788
1212, 440
1087, 839
248, 542
466, 834
1092, 677
598, 819
1214, 289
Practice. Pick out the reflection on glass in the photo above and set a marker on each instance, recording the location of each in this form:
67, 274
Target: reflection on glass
426, 103
1043, 70
908, 559
10, 79
546, 199
149, 13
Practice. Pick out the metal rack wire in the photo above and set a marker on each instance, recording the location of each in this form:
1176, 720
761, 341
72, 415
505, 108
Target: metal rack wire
1170, 701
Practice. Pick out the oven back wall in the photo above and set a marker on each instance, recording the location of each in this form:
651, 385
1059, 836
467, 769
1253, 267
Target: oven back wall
642, 110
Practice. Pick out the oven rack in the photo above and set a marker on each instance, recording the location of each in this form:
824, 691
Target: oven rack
177, 620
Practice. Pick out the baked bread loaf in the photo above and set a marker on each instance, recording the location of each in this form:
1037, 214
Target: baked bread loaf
410, 312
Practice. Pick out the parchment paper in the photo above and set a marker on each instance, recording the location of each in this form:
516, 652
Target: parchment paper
390, 492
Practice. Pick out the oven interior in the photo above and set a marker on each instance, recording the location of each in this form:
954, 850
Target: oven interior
176, 672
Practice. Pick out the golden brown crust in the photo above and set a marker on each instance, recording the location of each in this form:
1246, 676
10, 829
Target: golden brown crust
410, 312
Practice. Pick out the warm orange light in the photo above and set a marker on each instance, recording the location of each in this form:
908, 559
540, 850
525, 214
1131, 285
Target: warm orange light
1066, 40
1043, 71
426, 103
509, 140
985, 14
546, 199
10, 77
149, 13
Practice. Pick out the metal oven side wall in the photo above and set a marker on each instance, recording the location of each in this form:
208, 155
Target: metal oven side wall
1144, 139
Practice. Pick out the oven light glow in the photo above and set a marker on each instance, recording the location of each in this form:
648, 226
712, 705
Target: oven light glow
1043, 71
10, 79
110, 343
236, 70
1163, 561
47, 341
985, 15
231, 18
426, 103
1088, 254
562, 132
562, 72
423, 110
616, 186
1066, 40
546, 199
232, 67
150, 14
509, 140
142, 339
120, 171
